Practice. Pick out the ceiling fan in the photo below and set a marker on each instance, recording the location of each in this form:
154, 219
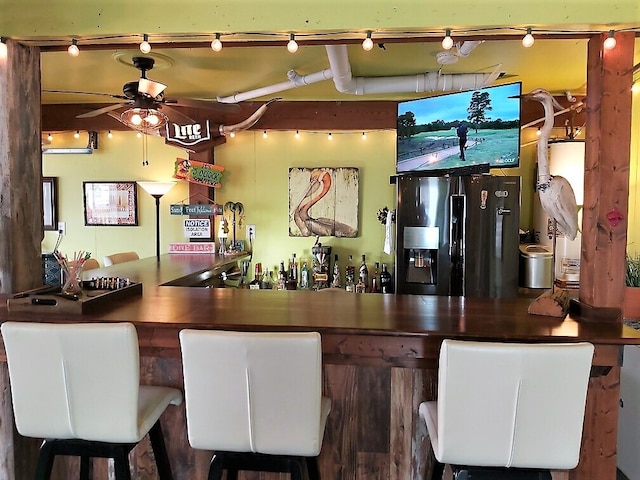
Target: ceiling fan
147, 109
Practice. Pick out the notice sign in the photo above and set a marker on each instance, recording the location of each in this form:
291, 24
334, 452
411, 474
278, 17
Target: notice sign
197, 228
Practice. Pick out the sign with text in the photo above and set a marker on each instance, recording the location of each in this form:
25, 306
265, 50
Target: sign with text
198, 172
197, 247
197, 228
189, 134
197, 209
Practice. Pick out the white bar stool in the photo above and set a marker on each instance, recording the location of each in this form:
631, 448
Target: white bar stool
508, 410
255, 399
77, 387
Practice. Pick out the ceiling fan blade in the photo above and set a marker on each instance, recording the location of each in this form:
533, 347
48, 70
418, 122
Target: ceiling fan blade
150, 87
174, 114
208, 104
100, 111
73, 92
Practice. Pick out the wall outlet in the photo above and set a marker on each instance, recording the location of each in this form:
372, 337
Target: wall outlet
62, 228
251, 232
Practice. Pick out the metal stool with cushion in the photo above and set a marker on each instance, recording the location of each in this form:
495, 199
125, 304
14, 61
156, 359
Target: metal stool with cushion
255, 400
77, 387
508, 410
122, 257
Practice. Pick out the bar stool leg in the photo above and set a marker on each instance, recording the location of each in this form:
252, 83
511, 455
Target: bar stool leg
160, 452
216, 467
312, 468
121, 465
45, 461
85, 467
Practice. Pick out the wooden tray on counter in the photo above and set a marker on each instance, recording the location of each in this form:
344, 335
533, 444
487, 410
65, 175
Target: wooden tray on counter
88, 300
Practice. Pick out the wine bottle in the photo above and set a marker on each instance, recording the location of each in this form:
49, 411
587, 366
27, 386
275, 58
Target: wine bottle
305, 277
386, 285
375, 280
363, 277
349, 276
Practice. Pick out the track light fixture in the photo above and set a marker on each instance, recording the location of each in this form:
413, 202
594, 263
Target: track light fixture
447, 41
610, 42
73, 49
367, 43
528, 39
145, 46
292, 46
216, 45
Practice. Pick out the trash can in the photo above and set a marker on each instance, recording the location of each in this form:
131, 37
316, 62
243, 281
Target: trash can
536, 266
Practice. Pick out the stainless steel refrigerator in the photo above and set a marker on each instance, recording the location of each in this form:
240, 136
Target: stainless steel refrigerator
458, 235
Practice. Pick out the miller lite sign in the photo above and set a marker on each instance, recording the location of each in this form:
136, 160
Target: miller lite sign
188, 135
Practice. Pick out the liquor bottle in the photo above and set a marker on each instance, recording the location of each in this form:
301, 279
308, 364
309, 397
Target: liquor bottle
292, 281
255, 283
386, 285
363, 277
375, 280
265, 283
335, 280
305, 276
349, 276
282, 278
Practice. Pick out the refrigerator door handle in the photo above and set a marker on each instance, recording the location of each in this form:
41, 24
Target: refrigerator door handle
504, 211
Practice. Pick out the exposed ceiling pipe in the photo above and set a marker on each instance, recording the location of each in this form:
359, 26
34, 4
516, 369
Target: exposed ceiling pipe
340, 71
423, 82
294, 80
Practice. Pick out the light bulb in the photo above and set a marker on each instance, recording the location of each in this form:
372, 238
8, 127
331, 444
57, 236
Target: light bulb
297, 134
50, 137
73, 49
447, 41
330, 136
232, 134
136, 119
264, 134
3, 47
610, 42
292, 46
528, 39
152, 119
367, 43
145, 47
77, 134
216, 45
139, 135
538, 132
364, 135
109, 135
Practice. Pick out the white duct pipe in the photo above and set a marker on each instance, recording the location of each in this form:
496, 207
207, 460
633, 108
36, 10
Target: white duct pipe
465, 48
294, 80
423, 82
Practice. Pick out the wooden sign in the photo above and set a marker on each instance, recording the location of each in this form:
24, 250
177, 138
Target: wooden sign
198, 172
197, 247
197, 209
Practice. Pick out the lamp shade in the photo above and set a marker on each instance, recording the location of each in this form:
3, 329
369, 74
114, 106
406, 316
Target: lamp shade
156, 188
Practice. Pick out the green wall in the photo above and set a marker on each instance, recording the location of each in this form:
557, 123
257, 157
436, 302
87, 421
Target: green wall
256, 174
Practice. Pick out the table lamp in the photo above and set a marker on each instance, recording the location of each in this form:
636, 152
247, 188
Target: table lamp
157, 190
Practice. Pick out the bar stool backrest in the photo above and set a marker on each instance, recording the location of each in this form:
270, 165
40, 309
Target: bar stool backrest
76, 381
511, 405
122, 257
253, 392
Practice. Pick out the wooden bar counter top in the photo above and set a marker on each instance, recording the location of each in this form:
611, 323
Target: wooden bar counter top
380, 361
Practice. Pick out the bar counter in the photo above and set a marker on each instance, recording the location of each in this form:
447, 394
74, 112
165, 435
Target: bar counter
380, 361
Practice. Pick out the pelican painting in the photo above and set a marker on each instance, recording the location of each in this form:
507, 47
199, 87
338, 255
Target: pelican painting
556, 194
323, 201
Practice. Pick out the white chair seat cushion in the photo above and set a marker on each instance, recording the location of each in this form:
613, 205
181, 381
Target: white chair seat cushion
152, 402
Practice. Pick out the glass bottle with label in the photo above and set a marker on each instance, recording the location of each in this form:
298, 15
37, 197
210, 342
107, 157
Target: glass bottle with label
292, 280
305, 276
363, 277
335, 280
375, 279
386, 285
349, 276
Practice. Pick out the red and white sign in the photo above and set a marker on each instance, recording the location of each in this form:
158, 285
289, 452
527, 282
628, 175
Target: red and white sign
196, 247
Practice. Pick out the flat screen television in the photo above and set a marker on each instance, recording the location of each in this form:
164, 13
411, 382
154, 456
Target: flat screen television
431, 131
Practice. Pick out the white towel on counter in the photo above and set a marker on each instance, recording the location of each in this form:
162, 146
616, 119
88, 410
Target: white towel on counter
388, 235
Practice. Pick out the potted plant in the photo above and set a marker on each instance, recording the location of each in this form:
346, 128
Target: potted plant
632, 293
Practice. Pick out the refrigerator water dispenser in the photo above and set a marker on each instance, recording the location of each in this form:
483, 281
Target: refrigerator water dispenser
421, 254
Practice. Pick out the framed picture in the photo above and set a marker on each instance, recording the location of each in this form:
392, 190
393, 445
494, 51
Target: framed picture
110, 203
50, 203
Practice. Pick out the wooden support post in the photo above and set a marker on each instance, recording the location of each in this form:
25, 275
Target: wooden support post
606, 178
21, 216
